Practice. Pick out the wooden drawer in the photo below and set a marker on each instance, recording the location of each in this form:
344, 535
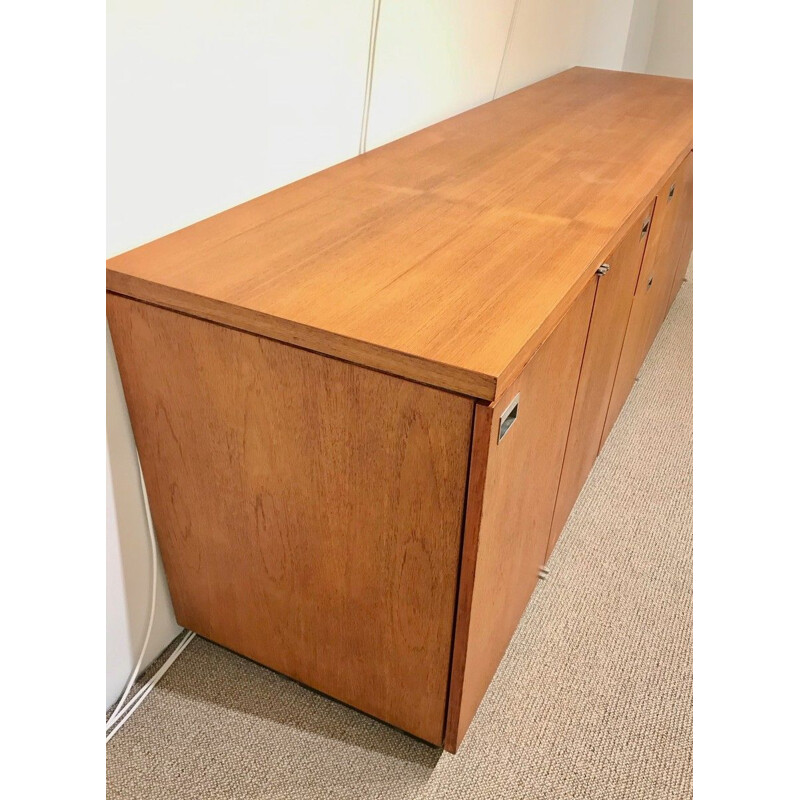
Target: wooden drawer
612, 307
654, 287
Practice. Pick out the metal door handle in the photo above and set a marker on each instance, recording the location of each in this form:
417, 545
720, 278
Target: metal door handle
508, 418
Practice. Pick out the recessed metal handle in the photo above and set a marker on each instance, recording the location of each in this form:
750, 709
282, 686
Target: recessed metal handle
603, 268
671, 192
645, 228
650, 282
508, 418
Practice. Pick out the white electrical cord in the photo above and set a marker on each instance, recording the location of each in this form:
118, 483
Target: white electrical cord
505, 49
373, 38
137, 699
134, 674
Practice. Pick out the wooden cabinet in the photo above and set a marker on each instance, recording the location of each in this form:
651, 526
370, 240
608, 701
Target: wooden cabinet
684, 229
308, 511
365, 403
654, 287
512, 491
616, 284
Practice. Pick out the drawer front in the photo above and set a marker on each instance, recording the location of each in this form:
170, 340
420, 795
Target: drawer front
654, 286
517, 452
612, 308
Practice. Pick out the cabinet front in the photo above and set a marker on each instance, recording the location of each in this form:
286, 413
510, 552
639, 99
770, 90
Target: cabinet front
518, 448
612, 307
654, 286
686, 229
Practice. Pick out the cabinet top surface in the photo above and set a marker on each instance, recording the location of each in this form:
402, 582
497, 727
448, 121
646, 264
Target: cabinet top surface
445, 256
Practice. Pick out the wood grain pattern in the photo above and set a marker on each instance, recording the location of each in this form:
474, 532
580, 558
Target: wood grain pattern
447, 256
309, 512
512, 493
476, 493
612, 307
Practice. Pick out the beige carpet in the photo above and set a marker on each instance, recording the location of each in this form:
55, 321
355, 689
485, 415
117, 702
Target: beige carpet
592, 700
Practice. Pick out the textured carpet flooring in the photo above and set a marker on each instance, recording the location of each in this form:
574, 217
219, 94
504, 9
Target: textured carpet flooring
593, 697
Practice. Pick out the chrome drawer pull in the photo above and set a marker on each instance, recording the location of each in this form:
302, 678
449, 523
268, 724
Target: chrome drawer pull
508, 418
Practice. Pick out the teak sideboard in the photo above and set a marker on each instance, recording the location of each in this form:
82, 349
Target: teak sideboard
365, 403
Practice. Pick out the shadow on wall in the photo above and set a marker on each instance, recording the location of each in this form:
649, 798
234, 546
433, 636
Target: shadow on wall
128, 555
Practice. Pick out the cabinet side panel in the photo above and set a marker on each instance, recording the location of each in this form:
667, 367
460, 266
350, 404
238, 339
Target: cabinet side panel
514, 502
612, 307
308, 511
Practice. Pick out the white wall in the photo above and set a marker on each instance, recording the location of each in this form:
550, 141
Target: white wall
640, 35
607, 28
671, 48
119, 650
434, 60
211, 103
547, 37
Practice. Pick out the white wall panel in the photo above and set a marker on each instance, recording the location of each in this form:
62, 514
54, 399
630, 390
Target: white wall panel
212, 102
606, 28
119, 647
434, 59
548, 37
671, 49
640, 35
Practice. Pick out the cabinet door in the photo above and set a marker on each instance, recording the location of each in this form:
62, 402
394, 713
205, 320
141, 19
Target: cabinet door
612, 307
517, 450
687, 228
654, 286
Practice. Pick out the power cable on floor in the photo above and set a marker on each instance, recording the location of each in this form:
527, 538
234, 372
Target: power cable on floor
154, 566
124, 709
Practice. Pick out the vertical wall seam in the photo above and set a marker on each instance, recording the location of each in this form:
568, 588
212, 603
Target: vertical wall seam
505, 48
373, 39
